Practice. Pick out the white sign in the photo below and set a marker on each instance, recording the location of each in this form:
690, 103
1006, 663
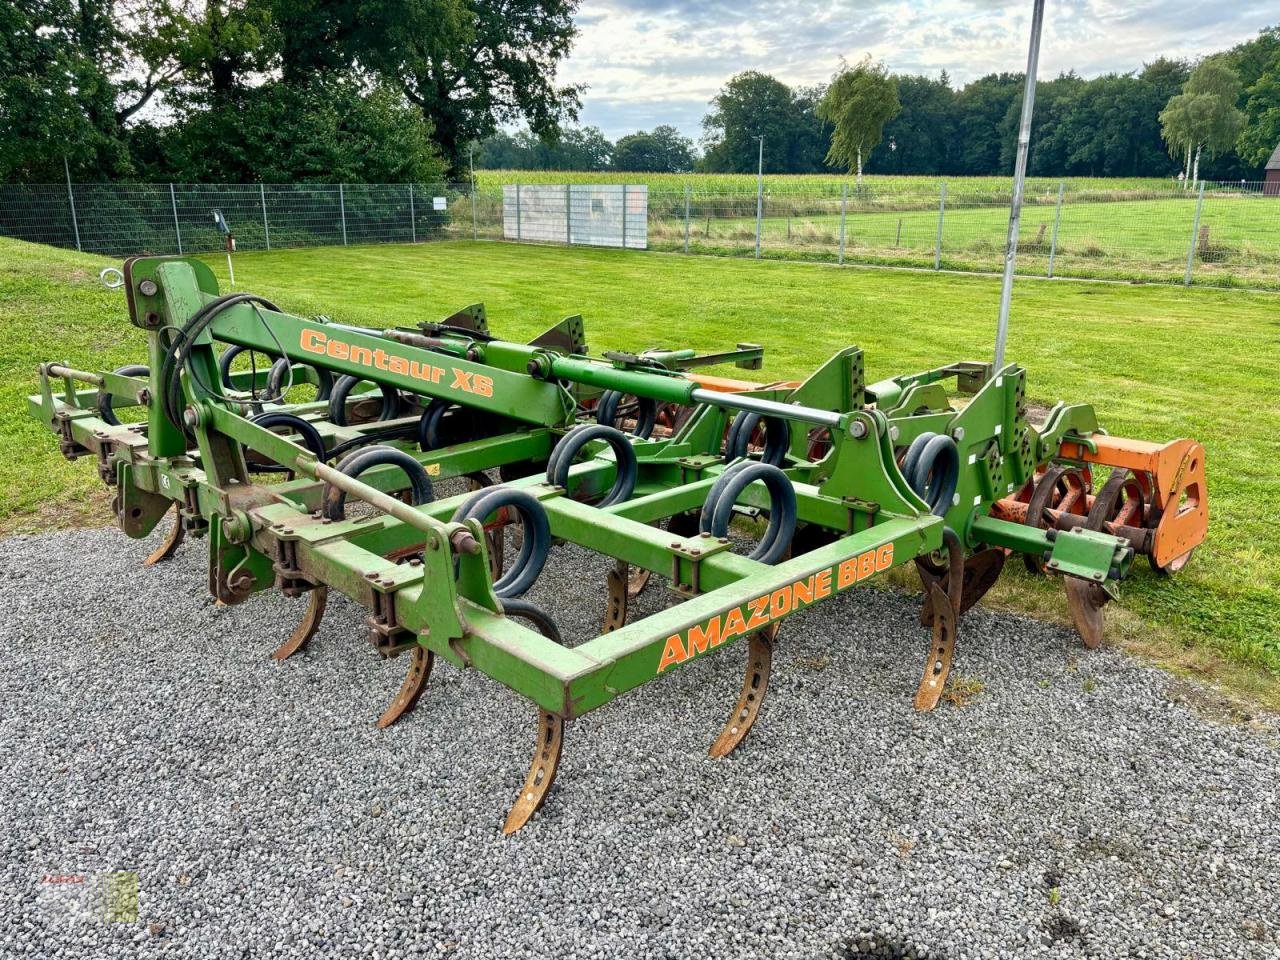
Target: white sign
439, 203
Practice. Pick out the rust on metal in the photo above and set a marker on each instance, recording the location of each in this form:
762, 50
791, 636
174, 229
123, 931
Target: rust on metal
542, 772
754, 686
1086, 600
307, 627
172, 540
415, 681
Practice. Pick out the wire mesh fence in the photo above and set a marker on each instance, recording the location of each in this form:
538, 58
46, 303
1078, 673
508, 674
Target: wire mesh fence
1223, 234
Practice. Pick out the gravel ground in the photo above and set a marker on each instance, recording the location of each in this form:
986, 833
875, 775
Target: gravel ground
1079, 805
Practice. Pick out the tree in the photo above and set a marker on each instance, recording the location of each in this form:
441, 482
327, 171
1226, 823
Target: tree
334, 129
1204, 117
1261, 134
470, 65
859, 102
576, 148
662, 151
919, 139
980, 111
754, 104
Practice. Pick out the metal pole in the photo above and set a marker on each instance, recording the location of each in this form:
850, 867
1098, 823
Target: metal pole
844, 209
686, 218
759, 194
1019, 181
177, 230
413, 218
1057, 220
266, 227
942, 209
624, 216
71, 199
475, 231
1195, 235
342, 206
518, 233
568, 217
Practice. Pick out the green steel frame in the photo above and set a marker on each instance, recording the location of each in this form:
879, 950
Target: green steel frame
427, 581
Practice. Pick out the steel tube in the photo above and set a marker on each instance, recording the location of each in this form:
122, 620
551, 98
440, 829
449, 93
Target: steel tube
58, 370
766, 408
1019, 181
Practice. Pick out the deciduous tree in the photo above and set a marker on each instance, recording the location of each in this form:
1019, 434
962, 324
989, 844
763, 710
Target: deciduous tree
857, 104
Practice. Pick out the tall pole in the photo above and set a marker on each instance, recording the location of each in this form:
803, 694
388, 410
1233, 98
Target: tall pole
413, 218
71, 199
686, 218
266, 227
177, 230
475, 232
942, 212
844, 209
759, 194
1057, 222
342, 206
1019, 181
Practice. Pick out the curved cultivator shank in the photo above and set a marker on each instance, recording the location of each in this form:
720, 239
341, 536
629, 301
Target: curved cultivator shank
639, 458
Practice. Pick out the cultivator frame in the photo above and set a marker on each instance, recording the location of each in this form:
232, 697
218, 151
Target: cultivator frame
854, 479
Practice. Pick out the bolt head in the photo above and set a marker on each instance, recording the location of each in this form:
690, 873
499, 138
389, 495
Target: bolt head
857, 429
148, 288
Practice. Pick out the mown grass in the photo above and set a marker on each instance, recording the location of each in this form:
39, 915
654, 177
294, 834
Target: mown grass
1157, 362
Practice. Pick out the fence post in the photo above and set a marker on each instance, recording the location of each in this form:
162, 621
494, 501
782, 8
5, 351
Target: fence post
1057, 219
266, 227
942, 209
342, 207
177, 230
759, 212
519, 234
624, 216
475, 231
71, 199
1195, 235
413, 218
686, 218
844, 210
568, 217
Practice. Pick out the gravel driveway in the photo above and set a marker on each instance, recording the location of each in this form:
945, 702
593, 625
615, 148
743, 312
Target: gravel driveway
1079, 805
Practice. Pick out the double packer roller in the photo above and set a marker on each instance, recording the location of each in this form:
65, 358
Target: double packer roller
638, 457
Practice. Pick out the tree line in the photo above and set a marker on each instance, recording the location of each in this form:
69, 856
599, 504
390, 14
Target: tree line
1219, 119
419, 90
273, 90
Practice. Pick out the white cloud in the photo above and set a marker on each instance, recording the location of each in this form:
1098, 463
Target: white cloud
660, 61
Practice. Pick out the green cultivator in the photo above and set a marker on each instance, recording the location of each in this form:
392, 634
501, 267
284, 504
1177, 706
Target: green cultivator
636, 457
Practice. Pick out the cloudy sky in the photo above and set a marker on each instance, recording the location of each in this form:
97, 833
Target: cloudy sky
659, 61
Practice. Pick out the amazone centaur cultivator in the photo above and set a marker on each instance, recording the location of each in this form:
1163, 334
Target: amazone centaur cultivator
941, 468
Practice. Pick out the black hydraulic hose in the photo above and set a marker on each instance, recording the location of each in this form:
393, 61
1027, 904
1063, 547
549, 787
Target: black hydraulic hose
175, 355
783, 510
104, 398
335, 499
536, 544
571, 445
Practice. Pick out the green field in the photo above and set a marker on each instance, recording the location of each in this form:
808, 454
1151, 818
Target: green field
1115, 229
1158, 363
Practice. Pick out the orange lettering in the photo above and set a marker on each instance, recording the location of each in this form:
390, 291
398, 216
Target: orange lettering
866, 565
884, 557
700, 638
313, 341
803, 591
822, 584
847, 573
759, 613
734, 625
780, 602
673, 653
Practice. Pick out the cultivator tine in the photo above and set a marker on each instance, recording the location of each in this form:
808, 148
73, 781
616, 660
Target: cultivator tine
981, 571
754, 686
415, 681
618, 582
308, 626
542, 772
1086, 600
637, 581
941, 650
944, 607
171, 542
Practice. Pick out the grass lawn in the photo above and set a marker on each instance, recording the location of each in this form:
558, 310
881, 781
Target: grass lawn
1157, 362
